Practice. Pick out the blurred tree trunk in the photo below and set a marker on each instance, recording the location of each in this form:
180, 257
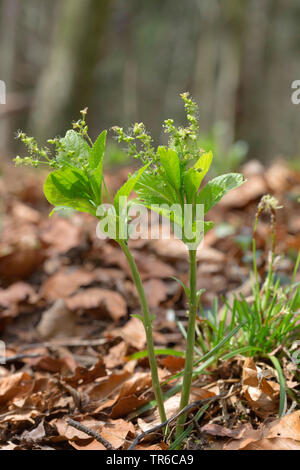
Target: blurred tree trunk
66, 82
8, 38
253, 78
206, 61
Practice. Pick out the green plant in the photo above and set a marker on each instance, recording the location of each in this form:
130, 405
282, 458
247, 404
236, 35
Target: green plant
76, 182
171, 184
269, 318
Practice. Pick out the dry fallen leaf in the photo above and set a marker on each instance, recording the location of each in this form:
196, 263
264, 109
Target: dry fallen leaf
15, 385
84, 376
57, 322
281, 434
107, 301
262, 395
133, 333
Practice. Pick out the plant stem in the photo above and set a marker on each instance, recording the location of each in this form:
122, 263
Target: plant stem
190, 343
148, 329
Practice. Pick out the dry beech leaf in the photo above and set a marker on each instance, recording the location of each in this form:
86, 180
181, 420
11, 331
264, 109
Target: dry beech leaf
173, 363
65, 283
281, 434
17, 293
15, 385
116, 356
87, 445
107, 385
133, 333
61, 235
112, 303
69, 433
262, 395
156, 292
57, 322
83, 376
116, 432
130, 396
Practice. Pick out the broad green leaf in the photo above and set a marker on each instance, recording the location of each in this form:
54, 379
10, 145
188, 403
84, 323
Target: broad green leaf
69, 187
128, 187
74, 146
216, 189
157, 352
96, 153
204, 162
171, 164
152, 189
96, 165
194, 176
208, 225
192, 180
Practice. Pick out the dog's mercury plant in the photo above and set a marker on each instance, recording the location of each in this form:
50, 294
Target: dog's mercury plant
174, 177
77, 182
168, 182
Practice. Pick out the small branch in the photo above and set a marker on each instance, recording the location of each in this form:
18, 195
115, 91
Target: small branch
17, 358
90, 432
166, 423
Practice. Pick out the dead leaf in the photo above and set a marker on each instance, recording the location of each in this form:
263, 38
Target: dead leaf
94, 298
262, 395
173, 363
156, 292
15, 385
116, 356
57, 322
61, 235
84, 376
107, 385
133, 333
281, 434
65, 283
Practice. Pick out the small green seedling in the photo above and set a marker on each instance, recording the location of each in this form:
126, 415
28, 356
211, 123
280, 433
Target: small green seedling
170, 185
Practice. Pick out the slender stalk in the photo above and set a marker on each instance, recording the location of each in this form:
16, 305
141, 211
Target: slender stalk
189, 359
148, 329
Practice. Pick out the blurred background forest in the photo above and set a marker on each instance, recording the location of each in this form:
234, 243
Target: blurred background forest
129, 60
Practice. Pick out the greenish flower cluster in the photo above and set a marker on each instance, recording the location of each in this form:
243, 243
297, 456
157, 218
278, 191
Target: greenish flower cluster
138, 141
182, 139
64, 154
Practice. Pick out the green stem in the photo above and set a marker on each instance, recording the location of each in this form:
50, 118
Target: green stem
190, 343
148, 329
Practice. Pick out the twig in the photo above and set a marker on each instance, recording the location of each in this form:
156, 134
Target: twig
18, 357
166, 423
90, 432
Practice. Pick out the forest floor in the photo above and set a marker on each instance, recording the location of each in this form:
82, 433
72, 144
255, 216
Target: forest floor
65, 303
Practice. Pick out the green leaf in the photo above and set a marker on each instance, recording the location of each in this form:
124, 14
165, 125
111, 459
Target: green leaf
192, 180
96, 153
216, 189
74, 146
138, 316
208, 226
194, 176
185, 288
96, 165
204, 163
157, 352
128, 187
171, 164
282, 399
152, 189
69, 187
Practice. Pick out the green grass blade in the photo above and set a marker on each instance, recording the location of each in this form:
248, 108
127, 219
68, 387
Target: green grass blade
283, 399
